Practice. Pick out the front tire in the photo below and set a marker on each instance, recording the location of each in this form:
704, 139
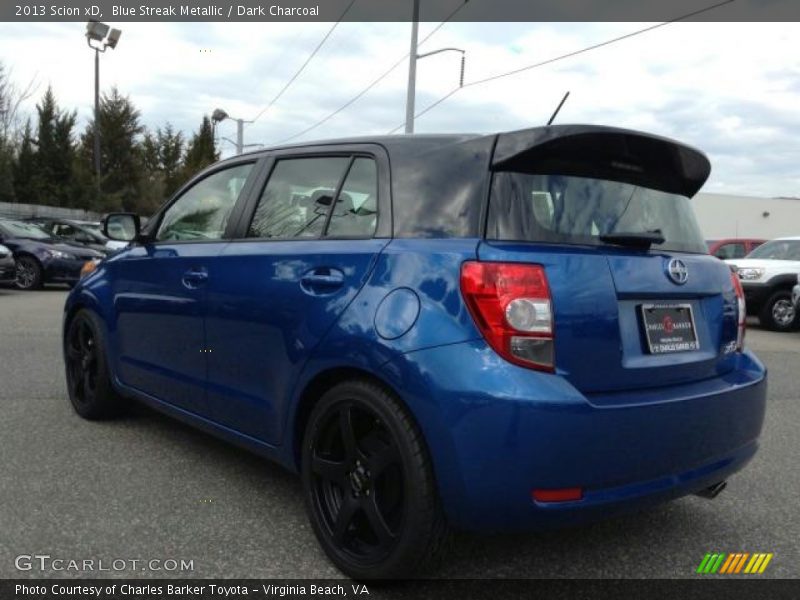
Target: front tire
88, 378
778, 313
369, 486
29, 273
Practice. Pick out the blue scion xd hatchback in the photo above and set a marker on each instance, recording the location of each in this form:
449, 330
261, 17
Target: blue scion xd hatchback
480, 332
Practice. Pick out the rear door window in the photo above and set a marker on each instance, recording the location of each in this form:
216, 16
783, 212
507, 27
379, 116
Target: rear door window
355, 213
300, 199
297, 197
578, 210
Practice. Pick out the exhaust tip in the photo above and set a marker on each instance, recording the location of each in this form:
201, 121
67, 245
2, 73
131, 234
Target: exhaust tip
712, 491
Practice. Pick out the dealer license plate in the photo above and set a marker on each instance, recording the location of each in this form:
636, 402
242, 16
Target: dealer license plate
669, 328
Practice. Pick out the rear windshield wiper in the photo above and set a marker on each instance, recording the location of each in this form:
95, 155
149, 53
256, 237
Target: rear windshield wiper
640, 239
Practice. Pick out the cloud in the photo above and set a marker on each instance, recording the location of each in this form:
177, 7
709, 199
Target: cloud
731, 89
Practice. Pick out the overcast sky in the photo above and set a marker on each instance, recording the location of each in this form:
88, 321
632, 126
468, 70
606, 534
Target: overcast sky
731, 89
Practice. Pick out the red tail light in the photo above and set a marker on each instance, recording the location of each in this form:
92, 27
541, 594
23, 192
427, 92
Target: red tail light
511, 306
741, 311
557, 495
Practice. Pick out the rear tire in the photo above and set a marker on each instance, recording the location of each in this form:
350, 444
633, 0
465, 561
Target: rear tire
369, 485
88, 378
778, 312
29, 273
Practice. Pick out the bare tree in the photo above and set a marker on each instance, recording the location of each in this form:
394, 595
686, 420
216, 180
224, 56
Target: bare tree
11, 98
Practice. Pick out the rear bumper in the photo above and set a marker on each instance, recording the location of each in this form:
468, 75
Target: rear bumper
796, 295
497, 431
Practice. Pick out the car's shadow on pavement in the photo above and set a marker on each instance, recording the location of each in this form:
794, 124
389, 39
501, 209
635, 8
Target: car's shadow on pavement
528, 555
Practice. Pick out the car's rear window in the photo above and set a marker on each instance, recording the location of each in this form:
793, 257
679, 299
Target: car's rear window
578, 210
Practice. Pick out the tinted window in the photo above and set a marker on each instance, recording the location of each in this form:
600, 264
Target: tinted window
578, 210
731, 250
297, 198
778, 250
202, 212
355, 213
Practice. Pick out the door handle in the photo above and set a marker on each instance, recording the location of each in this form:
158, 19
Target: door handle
194, 278
322, 280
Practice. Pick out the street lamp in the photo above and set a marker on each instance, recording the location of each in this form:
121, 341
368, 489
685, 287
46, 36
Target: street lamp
220, 115
99, 38
411, 89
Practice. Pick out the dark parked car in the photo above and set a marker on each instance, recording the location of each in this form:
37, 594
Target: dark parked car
495, 332
79, 233
8, 269
42, 258
733, 247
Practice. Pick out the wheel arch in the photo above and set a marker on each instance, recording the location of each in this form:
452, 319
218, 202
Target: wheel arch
316, 387
783, 282
28, 254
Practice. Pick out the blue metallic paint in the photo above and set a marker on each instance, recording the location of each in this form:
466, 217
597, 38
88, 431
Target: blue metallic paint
266, 316
628, 427
494, 430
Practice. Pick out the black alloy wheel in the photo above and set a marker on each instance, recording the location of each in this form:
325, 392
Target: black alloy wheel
358, 482
369, 485
81, 361
88, 380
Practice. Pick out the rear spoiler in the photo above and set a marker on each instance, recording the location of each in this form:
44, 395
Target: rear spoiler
604, 153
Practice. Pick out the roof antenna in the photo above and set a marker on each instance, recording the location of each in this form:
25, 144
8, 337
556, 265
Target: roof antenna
560, 104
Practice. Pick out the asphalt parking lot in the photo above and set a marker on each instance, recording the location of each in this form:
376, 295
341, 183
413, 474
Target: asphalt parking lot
146, 487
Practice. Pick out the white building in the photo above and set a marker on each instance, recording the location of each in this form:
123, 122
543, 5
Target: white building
725, 216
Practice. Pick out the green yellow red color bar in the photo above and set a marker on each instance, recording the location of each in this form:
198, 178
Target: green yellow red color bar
735, 562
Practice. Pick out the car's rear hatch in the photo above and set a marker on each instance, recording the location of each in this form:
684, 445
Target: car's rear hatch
628, 314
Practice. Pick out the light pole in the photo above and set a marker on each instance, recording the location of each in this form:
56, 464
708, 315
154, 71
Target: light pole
99, 34
413, 57
220, 115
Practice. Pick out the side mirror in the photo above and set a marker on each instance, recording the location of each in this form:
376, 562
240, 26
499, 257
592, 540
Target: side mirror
122, 227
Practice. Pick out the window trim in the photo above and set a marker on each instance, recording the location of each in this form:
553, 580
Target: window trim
383, 228
154, 224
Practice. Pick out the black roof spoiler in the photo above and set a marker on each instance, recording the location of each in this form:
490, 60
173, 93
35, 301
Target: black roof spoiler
604, 153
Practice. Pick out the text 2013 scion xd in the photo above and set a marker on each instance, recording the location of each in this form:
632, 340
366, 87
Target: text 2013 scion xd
481, 332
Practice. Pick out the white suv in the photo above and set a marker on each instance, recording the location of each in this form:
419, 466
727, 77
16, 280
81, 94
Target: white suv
768, 274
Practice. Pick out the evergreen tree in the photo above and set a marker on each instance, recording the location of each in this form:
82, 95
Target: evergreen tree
120, 157
53, 181
149, 152
201, 150
170, 154
25, 167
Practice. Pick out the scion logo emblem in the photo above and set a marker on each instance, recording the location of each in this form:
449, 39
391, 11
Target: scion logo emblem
677, 271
